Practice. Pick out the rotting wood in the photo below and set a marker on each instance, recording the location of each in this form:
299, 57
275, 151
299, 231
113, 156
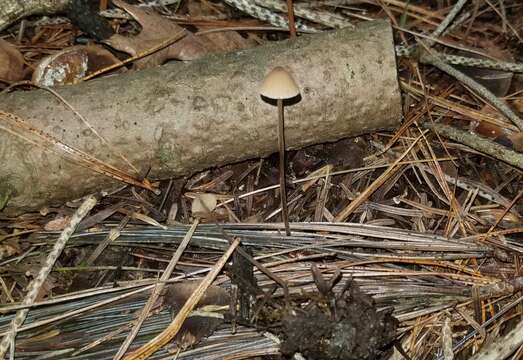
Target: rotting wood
184, 117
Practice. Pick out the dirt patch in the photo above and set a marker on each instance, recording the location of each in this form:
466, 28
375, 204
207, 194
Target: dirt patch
340, 326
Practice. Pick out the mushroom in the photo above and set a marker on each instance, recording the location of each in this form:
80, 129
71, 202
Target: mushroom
279, 85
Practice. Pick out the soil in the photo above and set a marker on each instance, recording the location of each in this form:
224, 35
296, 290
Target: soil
349, 328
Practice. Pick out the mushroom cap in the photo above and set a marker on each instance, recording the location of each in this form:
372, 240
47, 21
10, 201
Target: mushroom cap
279, 84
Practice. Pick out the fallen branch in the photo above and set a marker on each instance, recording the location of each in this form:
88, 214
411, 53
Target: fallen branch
502, 347
181, 118
478, 143
482, 91
14, 10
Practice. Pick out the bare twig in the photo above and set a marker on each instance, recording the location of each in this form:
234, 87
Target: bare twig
434, 59
476, 142
502, 347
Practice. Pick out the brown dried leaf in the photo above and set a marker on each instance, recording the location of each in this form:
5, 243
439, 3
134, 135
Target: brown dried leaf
518, 105
9, 248
225, 41
11, 62
517, 141
177, 294
70, 65
57, 224
196, 327
203, 205
205, 318
490, 130
221, 41
155, 30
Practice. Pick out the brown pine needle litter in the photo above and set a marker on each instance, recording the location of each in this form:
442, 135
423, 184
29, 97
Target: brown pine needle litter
420, 227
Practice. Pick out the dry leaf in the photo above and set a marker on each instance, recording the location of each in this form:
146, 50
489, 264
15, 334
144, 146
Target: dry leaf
205, 318
57, 224
203, 205
489, 130
8, 248
155, 30
517, 141
225, 41
70, 65
221, 41
11, 62
518, 105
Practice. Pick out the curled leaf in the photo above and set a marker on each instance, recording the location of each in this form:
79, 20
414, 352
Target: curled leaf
155, 30
11, 62
70, 65
206, 317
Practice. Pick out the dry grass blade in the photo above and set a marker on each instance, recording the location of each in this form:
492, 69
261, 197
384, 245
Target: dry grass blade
423, 266
505, 211
459, 108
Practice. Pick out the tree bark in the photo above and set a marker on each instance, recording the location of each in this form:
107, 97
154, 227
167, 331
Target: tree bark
14, 10
181, 118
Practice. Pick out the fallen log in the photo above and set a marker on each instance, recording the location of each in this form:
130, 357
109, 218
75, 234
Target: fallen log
181, 118
14, 10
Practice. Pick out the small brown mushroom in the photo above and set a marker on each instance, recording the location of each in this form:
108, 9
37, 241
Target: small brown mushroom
279, 85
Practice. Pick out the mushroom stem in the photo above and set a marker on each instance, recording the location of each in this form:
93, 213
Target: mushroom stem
281, 146
290, 15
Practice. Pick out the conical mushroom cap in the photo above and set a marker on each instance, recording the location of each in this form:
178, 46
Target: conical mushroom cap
279, 84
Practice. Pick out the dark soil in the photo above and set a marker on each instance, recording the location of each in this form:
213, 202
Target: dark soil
349, 328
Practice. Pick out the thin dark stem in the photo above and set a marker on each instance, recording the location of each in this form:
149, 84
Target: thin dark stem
290, 15
281, 148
